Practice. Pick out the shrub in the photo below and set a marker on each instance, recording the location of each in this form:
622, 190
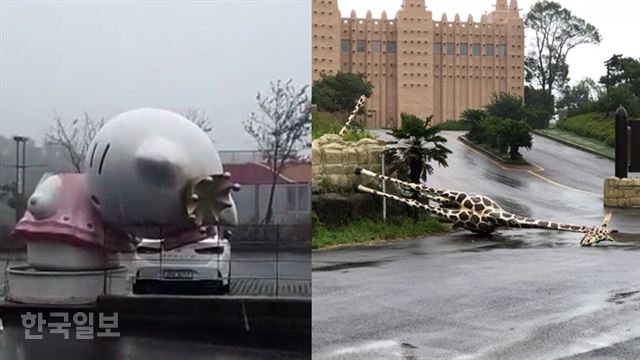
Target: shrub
324, 123
593, 125
506, 105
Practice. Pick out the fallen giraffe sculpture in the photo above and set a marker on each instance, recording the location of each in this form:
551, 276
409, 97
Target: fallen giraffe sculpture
479, 213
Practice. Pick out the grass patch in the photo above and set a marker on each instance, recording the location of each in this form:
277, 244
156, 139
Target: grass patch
592, 144
591, 125
367, 230
455, 125
324, 123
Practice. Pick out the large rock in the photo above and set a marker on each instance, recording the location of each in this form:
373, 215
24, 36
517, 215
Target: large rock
332, 208
337, 209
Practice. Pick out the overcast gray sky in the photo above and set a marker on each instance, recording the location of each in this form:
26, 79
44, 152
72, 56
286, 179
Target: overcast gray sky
617, 21
105, 57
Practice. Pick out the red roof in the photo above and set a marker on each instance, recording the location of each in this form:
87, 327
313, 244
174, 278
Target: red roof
252, 174
298, 172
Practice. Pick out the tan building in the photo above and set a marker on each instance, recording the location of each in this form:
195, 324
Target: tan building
419, 65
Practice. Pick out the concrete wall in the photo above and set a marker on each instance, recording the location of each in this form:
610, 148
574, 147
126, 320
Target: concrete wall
335, 160
622, 193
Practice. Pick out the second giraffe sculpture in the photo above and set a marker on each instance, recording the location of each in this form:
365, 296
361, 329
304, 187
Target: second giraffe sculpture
479, 213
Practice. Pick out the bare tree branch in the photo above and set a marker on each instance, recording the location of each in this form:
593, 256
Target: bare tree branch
281, 130
200, 117
74, 137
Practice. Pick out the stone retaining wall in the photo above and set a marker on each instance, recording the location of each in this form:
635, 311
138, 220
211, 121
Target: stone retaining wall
335, 160
622, 193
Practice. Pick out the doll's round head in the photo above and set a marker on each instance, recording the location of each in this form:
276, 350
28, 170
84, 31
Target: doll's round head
139, 166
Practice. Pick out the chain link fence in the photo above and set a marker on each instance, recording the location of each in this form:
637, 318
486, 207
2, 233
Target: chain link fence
251, 260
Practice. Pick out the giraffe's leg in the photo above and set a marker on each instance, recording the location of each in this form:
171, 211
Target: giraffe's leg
440, 194
440, 213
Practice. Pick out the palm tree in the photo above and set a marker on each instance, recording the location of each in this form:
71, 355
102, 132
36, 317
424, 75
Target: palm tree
515, 134
416, 145
474, 117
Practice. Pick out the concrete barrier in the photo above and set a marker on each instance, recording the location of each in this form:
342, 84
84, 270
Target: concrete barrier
622, 193
335, 160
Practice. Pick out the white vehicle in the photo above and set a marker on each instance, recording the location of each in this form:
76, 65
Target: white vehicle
194, 269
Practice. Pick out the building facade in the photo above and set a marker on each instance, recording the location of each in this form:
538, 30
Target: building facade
419, 65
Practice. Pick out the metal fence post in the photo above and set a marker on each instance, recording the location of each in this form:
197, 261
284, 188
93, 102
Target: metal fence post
278, 260
384, 189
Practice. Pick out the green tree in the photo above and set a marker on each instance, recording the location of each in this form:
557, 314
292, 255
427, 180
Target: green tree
508, 136
506, 105
556, 32
620, 95
538, 107
475, 118
416, 145
624, 70
516, 134
581, 97
339, 92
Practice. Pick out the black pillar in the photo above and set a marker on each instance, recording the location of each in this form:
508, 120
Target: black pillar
621, 143
634, 146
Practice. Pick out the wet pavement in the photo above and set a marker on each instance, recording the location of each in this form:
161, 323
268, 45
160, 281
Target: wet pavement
519, 294
150, 345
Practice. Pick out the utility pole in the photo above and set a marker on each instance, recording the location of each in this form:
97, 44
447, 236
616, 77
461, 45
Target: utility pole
19, 197
20, 178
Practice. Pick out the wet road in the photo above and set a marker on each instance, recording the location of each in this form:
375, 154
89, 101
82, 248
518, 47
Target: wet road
521, 294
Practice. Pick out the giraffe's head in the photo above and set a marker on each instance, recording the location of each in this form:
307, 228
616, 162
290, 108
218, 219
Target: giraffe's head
597, 234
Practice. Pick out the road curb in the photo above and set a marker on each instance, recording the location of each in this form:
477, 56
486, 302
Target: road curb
574, 145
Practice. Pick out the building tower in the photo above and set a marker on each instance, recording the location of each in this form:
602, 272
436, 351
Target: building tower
420, 65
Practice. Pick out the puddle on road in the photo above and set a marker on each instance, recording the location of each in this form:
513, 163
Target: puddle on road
349, 265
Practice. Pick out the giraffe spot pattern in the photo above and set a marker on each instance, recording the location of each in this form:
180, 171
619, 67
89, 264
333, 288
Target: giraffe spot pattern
481, 214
